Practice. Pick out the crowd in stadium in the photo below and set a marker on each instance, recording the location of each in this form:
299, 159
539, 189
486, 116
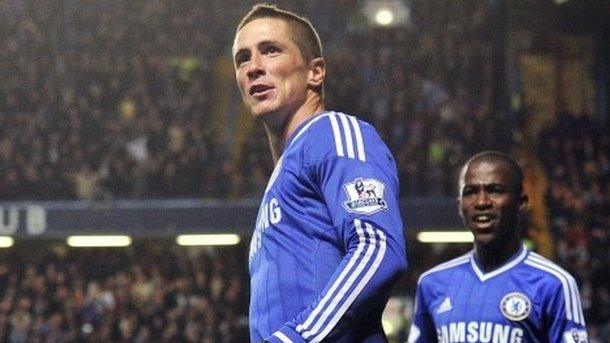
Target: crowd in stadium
95, 106
143, 294
118, 99
576, 154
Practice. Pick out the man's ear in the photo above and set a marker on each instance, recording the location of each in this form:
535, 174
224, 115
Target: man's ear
317, 68
524, 202
459, 206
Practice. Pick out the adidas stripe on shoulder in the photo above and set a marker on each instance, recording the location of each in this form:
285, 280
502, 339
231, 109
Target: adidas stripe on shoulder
573, 306
347, 136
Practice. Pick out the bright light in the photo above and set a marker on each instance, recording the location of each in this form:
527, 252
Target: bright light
211, 239
387, 13
384, 17
445, 237
98, 241
388, 327
6, 242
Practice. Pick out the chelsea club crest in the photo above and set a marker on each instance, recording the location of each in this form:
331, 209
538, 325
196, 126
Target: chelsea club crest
515, 306
365, 196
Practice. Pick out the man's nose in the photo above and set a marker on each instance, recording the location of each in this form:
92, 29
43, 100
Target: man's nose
255, 67
482, 200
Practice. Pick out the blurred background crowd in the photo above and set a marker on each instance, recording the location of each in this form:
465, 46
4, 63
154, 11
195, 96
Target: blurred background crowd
110, 99
148, 293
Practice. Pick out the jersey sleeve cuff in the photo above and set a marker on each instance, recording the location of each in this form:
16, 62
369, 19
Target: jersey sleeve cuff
285, 335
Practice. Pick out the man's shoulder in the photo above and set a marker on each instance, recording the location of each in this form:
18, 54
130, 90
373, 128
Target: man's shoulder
552, 272
443, 269
335, 134
556, 282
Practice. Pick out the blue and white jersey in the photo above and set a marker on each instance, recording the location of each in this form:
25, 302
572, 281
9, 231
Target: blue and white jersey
529, 299
328, 242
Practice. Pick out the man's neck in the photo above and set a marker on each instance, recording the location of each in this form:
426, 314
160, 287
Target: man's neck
279, 135
492, 257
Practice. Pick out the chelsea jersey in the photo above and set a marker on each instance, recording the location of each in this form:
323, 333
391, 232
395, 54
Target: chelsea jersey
328, 241
527, 300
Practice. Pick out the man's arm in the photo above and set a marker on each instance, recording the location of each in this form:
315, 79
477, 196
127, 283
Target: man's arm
422, 327
567, 322
374, 260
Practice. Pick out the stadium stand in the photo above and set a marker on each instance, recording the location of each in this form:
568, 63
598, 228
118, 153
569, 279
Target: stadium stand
122, 104
149, 292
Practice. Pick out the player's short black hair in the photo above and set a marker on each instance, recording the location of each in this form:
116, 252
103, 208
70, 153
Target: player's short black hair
304, 34
515, 170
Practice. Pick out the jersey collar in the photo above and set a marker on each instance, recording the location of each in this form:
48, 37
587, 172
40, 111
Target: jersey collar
299, 131
511, 262
303, 127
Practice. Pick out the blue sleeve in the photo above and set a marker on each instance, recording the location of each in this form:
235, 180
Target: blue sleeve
422, 327
361, 194
564, 313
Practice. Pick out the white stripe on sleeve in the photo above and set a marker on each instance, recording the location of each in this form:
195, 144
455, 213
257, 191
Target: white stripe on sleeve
349, 144
359, 141
337, 135
340, 278
573, 288
350, 281
344, 298
570, 292
347, 303
283, 337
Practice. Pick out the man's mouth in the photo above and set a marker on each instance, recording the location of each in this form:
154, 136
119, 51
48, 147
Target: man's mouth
483, 218
259, 89
482, 222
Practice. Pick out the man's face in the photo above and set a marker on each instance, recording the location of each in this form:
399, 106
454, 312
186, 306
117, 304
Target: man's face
490, 204
271, 73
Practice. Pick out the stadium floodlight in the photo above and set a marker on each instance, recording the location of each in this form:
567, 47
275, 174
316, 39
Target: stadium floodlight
6, 241
445, 237
384, 17
208, 239
387, 13
98, 241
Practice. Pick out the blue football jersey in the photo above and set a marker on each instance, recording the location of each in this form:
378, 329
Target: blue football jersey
529, 299
328, 241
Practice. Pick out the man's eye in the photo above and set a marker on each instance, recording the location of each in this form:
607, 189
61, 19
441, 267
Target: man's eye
239, 60
467, 192
497, 190
272, 50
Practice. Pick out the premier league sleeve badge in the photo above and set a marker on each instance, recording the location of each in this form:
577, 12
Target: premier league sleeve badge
365, 196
